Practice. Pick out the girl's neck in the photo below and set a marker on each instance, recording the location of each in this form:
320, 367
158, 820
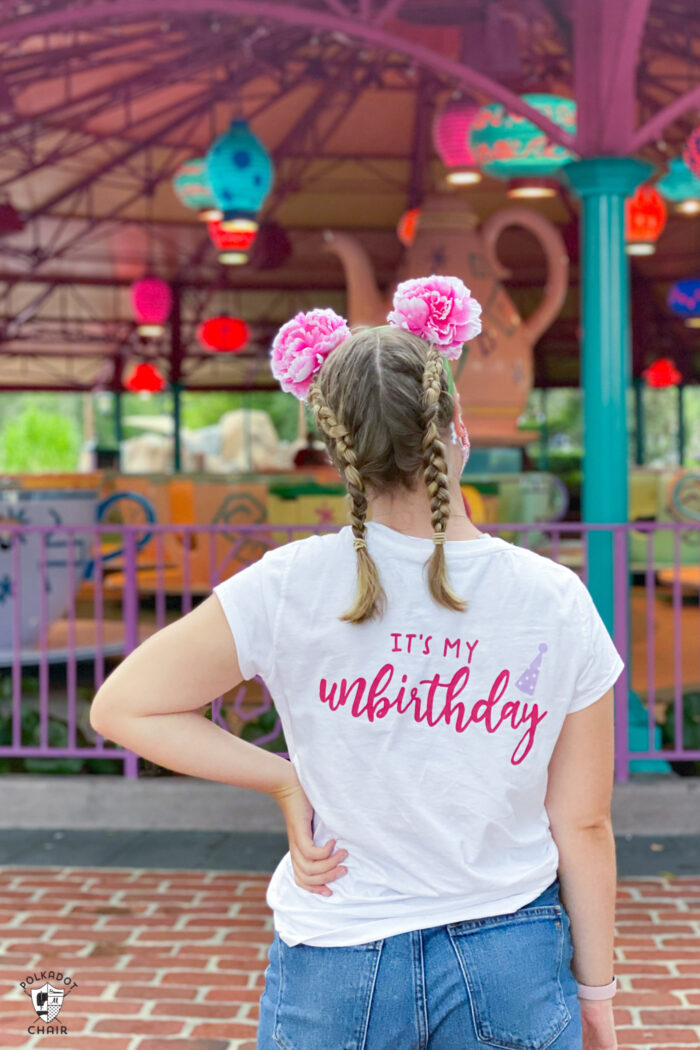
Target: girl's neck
409, 513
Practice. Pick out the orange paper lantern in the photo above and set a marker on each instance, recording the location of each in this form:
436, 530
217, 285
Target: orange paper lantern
408, 226
645, 218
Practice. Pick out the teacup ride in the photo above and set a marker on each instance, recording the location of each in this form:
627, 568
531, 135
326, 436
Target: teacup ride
47, 544
683, 503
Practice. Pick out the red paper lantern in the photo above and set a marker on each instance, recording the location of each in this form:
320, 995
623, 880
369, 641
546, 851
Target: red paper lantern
226, 335
645, 218
662, 373
151, 302
233, 246
451, 129
145, 379
408, 226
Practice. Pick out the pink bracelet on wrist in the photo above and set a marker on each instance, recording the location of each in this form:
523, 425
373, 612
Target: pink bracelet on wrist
597, 991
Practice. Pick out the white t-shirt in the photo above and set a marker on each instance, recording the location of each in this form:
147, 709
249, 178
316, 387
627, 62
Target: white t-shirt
421, 739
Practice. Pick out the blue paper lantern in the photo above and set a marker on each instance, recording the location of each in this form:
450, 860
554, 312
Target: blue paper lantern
240, 173
684, 299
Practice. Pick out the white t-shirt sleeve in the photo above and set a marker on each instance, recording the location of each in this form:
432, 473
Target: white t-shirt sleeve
600, 664
251, 600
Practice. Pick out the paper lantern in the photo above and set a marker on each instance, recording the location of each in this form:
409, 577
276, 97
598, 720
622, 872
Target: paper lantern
662, 373
193, 190
10, 220
223, 334
145, 379
531, 187
509, 146
691, 152
451, 129
240, 173
684, 299
271, 247
680, 186
645, 218
151, 302
233, 246
408, 226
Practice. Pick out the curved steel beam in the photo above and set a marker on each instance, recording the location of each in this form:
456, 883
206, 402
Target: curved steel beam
290, 14
661, 120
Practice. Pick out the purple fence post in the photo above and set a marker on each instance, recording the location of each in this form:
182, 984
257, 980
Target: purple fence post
43, 642
621, 639
71, 664
677, 653
15, 538
130, 612
99, 613
650, 595
160, 581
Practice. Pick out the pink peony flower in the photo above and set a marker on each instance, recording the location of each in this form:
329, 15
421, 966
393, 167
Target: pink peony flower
439, 309
302, 345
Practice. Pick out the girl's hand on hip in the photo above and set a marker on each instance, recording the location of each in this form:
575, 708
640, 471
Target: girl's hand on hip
598, 1024
313, 866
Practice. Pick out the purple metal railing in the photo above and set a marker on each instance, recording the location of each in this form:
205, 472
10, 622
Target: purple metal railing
106, 621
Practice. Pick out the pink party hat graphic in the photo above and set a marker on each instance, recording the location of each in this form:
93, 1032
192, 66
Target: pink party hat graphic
527, 682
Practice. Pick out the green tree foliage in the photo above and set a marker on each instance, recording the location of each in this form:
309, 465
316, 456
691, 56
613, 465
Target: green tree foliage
564, 425
39, 440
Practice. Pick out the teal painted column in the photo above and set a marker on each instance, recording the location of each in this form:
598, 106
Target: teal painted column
544, 432
176, 391
603, 183
117, 405
639, 421
681, 425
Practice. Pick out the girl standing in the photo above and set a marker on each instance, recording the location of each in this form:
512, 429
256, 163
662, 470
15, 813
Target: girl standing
446, 699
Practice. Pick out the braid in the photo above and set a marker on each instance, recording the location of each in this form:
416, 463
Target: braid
370, 598
435, 474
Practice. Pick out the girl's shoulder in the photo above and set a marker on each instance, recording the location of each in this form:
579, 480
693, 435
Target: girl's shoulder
307, 548
545, 576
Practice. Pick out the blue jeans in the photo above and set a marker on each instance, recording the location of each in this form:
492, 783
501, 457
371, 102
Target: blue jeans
502, 981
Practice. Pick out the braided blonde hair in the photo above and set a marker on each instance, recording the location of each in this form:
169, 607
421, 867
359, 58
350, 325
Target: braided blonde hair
435, 474
382, 405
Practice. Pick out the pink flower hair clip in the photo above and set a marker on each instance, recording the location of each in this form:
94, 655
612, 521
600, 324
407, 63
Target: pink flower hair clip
302, 345
440, 310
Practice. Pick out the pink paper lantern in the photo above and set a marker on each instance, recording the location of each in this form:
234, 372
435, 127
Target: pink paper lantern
151, 302
691, 152
451, 129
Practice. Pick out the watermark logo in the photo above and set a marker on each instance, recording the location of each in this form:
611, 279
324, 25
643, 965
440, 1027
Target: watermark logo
47, 1000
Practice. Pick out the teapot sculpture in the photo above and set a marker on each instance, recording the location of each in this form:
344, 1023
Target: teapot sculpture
494, 375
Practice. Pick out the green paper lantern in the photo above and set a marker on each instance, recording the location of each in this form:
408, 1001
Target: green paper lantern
192, 187
679, 183
510, 146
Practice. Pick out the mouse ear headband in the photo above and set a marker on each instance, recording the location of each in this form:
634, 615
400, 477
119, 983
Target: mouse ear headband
440, 310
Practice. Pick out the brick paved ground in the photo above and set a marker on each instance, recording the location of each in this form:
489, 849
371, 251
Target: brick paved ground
168, 960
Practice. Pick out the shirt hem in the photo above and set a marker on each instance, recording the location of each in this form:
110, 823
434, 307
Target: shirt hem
376, 929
